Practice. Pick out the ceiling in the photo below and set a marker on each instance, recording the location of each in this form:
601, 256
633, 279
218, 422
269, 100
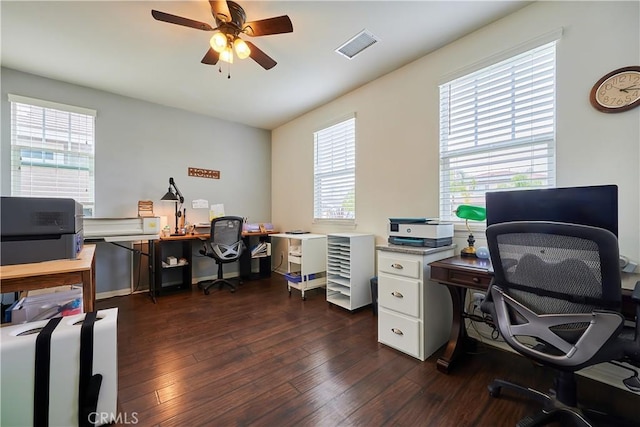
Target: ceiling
117, 46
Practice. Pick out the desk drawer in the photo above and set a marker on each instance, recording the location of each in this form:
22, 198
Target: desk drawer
469, 279
402, 266
399, 294
399, 332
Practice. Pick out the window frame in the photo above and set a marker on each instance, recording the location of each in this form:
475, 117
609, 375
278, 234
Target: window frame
481, 144
52, 139
341, 168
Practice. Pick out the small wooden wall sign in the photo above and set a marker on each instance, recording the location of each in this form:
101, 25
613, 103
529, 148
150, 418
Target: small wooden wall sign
204, 173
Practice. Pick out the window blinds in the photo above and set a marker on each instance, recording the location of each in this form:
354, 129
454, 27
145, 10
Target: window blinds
497, 129
334, 171
52, 151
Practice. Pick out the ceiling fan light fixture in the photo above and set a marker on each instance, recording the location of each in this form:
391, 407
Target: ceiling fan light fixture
218, 42
242, 49
227, 55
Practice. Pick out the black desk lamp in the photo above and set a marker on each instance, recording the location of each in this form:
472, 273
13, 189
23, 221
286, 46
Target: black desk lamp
177, 198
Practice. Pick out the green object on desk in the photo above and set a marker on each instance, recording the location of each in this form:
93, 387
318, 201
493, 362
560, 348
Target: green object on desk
475, 213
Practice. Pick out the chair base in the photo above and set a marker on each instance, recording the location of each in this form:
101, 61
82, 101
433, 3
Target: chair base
206, 285
553, 409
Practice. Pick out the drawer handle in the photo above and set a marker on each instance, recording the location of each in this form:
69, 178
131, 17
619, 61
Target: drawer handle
397, 266
476, 280
397, 294
396, 331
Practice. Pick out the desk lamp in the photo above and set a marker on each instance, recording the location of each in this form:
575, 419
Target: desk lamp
177, 198
475, 213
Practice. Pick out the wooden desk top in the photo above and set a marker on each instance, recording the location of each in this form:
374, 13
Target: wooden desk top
476, 273
464, 263
81, 263
205, 236
483, 267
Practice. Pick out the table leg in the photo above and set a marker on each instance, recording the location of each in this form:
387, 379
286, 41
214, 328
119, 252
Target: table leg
152, 270
458, 330
89, 287
245, 259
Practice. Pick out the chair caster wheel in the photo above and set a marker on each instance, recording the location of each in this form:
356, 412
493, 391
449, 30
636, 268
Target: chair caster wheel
233, 290
494, 391
206, 291
304, 298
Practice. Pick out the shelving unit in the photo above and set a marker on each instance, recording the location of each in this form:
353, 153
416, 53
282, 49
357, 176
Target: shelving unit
306, 258
263, 259
172, 277
350, 266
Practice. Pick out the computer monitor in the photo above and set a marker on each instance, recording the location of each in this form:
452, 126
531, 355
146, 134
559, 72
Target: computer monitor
596, 206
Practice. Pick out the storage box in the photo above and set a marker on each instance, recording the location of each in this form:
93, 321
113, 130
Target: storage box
296, 278
43, 306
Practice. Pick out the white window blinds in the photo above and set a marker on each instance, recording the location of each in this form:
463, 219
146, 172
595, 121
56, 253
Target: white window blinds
334, 171
497, 129
52, 151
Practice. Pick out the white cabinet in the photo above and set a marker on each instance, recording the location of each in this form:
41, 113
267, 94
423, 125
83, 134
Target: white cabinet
350, 267
414, 314
306, 261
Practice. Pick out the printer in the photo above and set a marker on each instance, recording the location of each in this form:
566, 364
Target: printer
423, 232
35, 229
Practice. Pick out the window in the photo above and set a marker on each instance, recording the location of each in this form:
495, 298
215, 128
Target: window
335, 172
52, 151
497, 129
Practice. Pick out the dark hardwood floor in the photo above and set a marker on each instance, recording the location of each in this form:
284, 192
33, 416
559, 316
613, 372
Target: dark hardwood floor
259, 357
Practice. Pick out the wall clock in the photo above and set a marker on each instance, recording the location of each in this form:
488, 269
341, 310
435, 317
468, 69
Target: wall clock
617, 91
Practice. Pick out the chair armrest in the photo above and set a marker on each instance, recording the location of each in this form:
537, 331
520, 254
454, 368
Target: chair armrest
635, 295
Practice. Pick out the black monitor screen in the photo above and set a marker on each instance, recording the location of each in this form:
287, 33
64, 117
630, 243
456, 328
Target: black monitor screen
596, 206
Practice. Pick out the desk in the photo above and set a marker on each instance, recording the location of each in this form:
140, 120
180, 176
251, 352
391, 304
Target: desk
47, 274
245, 258
179, 277
460, 274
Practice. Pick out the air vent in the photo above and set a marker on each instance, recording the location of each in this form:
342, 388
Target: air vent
357, 44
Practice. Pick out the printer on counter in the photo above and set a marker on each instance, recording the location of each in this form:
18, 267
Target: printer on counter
423, 232
35, 229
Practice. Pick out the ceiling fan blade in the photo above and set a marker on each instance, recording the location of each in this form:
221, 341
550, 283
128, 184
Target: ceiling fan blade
179, 20
211, 57
265, 27
260, 57
220, 10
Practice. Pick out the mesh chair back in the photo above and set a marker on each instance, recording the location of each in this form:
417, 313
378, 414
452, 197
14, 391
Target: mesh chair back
226, 230
549, 281
226, 237
556, 267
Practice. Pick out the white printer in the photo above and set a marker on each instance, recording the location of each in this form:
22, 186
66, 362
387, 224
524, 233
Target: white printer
425, 232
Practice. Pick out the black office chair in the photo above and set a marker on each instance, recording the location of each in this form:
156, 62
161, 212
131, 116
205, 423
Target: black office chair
225, 245
556, 298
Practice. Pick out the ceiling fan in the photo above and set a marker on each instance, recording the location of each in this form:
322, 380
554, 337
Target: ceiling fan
230, 23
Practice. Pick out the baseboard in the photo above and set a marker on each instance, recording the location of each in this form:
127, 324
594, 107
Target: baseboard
116, 293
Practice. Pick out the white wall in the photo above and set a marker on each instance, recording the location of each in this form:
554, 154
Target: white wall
397, 122
140, 145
